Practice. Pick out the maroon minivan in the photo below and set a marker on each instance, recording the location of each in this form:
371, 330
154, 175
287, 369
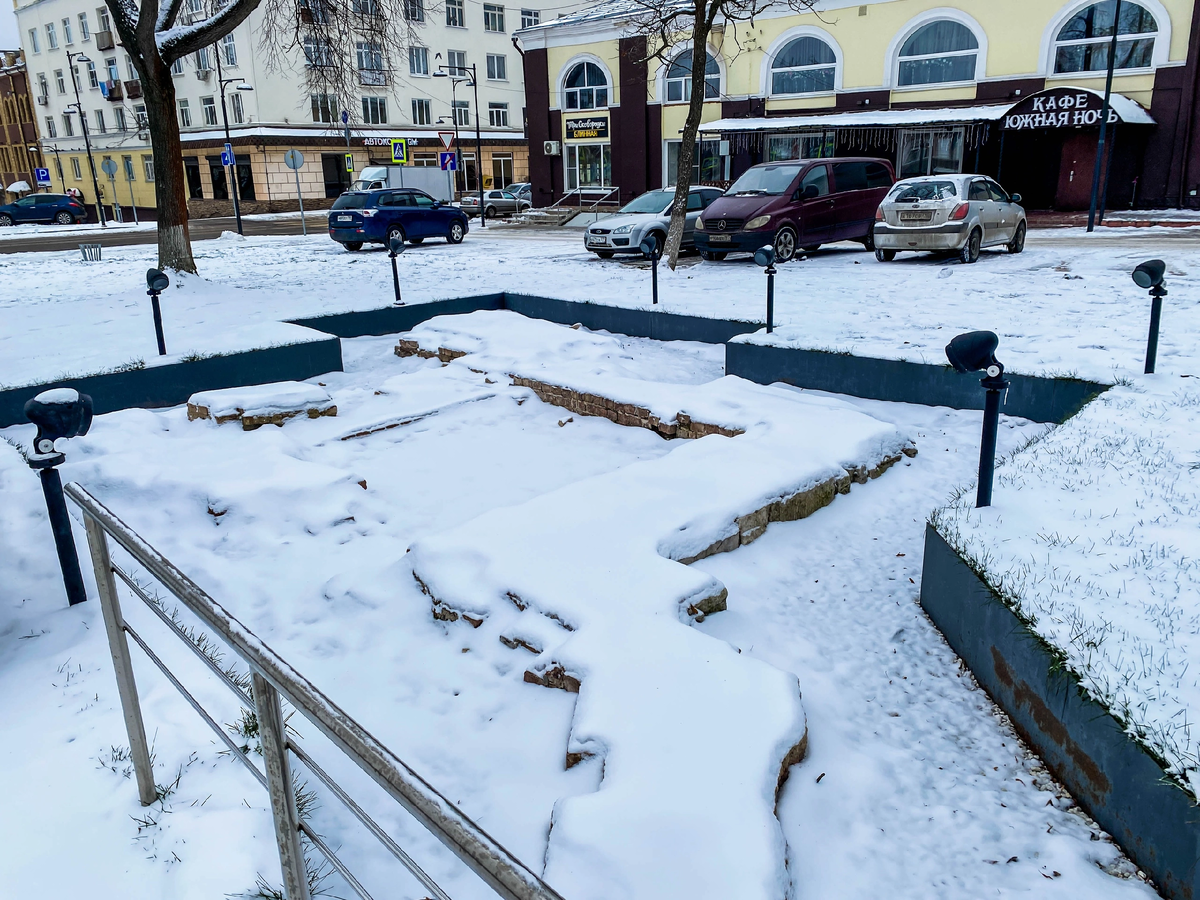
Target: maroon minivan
795, 203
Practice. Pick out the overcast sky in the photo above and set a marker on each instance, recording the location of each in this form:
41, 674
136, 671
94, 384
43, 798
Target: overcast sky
8, 27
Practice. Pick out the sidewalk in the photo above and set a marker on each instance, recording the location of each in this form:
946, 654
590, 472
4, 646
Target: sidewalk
1124, 218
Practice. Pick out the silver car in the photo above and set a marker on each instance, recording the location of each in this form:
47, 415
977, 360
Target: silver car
496, 203
949, 213
649, 214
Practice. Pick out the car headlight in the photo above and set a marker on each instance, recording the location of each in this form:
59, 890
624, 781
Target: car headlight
623, 229
700, 226
757, 222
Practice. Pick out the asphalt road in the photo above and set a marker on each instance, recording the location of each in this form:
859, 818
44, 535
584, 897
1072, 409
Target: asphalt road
201, 229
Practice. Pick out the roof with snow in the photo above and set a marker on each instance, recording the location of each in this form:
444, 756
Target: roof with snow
613, 9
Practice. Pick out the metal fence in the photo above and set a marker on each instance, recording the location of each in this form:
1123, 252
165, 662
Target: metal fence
272, 678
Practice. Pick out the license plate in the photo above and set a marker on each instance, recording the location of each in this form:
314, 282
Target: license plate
593, 239
720, 237
916, 216
345, 218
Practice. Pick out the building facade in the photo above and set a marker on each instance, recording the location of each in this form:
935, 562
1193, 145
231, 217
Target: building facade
1011, 89
394, 99
19, 152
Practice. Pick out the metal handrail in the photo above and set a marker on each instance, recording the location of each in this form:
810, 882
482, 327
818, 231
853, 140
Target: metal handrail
579, 192
494, 864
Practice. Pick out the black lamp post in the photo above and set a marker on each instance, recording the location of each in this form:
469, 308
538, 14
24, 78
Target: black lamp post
56, 150
233, 169
973, 352
72, 58
1150, 275
765, 257
651, 250
157, 282
473, 82
59, 413
395, 248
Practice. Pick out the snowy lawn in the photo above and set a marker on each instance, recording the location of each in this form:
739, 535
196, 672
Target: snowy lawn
912, 785
1065, 306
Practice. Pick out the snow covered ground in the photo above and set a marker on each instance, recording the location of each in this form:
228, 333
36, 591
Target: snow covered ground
912, 785
1066, 305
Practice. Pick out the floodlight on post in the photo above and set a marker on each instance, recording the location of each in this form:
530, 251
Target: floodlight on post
1150, 275
59, 413
975, 351
765, 257
395, 248
650, 249
157, 282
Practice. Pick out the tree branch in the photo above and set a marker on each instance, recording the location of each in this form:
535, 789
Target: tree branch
178, 41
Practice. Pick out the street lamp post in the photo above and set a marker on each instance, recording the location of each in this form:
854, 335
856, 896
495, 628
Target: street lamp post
72, 58
55, 149
31, 153
233, 170
472, 82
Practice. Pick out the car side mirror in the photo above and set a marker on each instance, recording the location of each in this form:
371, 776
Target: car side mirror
810, 192
1015, 198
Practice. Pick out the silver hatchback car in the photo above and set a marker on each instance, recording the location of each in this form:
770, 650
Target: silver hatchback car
949, 213
646, 216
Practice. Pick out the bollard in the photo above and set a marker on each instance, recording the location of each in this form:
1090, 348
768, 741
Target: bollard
1150, 275
972, 352
765, 257
650, 249
157, 282
395, 248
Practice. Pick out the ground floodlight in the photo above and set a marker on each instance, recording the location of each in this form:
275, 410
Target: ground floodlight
395, 248
650, 249
59, 413
157, 281
395, 245
975, 351
765, 257
1150, 273
649, 246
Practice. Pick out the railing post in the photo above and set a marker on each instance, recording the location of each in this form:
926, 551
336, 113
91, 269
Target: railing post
114, 625
279, 784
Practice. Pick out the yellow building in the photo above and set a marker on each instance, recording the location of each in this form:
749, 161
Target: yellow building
930, 86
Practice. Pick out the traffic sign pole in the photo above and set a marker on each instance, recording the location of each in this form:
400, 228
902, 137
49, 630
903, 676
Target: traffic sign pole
294, 159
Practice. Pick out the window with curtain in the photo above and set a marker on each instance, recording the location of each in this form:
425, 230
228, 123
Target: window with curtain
1083, 43
938, 53
804, 66
679, 79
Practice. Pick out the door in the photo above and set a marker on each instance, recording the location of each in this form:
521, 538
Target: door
1005, 210
695, 205
390, 210
855, 198
24, 210
1075, 172
427, 218
989, 216
815, 215
333, 168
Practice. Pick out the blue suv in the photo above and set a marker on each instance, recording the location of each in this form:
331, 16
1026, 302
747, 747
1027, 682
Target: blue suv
57, 208
375, 217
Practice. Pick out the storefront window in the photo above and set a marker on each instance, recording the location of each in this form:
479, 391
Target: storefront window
930, 152
806, 145
938, 53
589, 166
708, 166
1083, 43
679, 79
502, 169
804, 66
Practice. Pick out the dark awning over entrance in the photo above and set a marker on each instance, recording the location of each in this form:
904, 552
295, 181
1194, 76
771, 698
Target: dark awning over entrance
1071, 107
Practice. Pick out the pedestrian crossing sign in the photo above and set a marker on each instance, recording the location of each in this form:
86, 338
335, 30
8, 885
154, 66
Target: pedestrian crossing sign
400, 151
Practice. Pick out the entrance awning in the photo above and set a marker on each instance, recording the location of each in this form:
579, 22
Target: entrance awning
1126, 110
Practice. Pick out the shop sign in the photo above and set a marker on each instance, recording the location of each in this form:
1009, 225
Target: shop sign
385, 142
591, 127
1058, 108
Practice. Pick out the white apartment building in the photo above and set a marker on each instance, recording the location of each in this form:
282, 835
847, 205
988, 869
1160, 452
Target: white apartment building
403, 100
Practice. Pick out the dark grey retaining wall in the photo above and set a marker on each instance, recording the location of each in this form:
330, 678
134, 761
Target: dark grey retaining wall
1120, 785
395, 319
647, 323
1039, 399
172, 384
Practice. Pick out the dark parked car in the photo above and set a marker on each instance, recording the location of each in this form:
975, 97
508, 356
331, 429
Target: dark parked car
796, 203
375, 217
57, 208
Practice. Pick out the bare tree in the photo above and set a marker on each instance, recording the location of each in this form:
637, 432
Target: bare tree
344, 44
666, 24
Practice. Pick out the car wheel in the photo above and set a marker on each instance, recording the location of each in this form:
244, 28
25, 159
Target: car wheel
491, 212
64, 218
5, 220
970, 251
811, 248
352, 246
395, 231
785, 244
604, 254
712, 255
885, 255
1017, 244
456, 233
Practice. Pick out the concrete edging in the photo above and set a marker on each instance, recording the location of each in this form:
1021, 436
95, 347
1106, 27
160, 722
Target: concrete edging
1120, 784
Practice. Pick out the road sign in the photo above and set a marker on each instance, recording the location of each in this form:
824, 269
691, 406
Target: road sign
349, 162
110, 167
448, 161
293, 159
42, 176
227, 155
345, 117
447, 138
400, 151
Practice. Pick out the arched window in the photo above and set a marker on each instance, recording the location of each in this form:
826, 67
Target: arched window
679, 79
1082, 44
804, 66
586, 87
938, 53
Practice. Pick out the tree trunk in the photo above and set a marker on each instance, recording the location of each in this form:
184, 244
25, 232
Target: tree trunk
691, 127
158, 93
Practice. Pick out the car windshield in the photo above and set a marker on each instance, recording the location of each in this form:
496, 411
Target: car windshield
350, 201
653, 202
515, 188
926, 190
765, 180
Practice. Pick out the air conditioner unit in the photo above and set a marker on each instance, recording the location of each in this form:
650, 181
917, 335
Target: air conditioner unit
143, 136
204, 74
552, 148
43, 100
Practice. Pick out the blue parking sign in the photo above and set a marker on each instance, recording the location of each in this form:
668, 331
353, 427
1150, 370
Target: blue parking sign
42, 176
448, 161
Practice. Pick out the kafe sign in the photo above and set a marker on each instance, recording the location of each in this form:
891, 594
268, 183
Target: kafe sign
1058, 108
590, 127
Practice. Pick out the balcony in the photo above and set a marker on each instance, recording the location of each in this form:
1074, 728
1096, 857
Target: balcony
133, 89
112, 91
372, 76
104, 40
